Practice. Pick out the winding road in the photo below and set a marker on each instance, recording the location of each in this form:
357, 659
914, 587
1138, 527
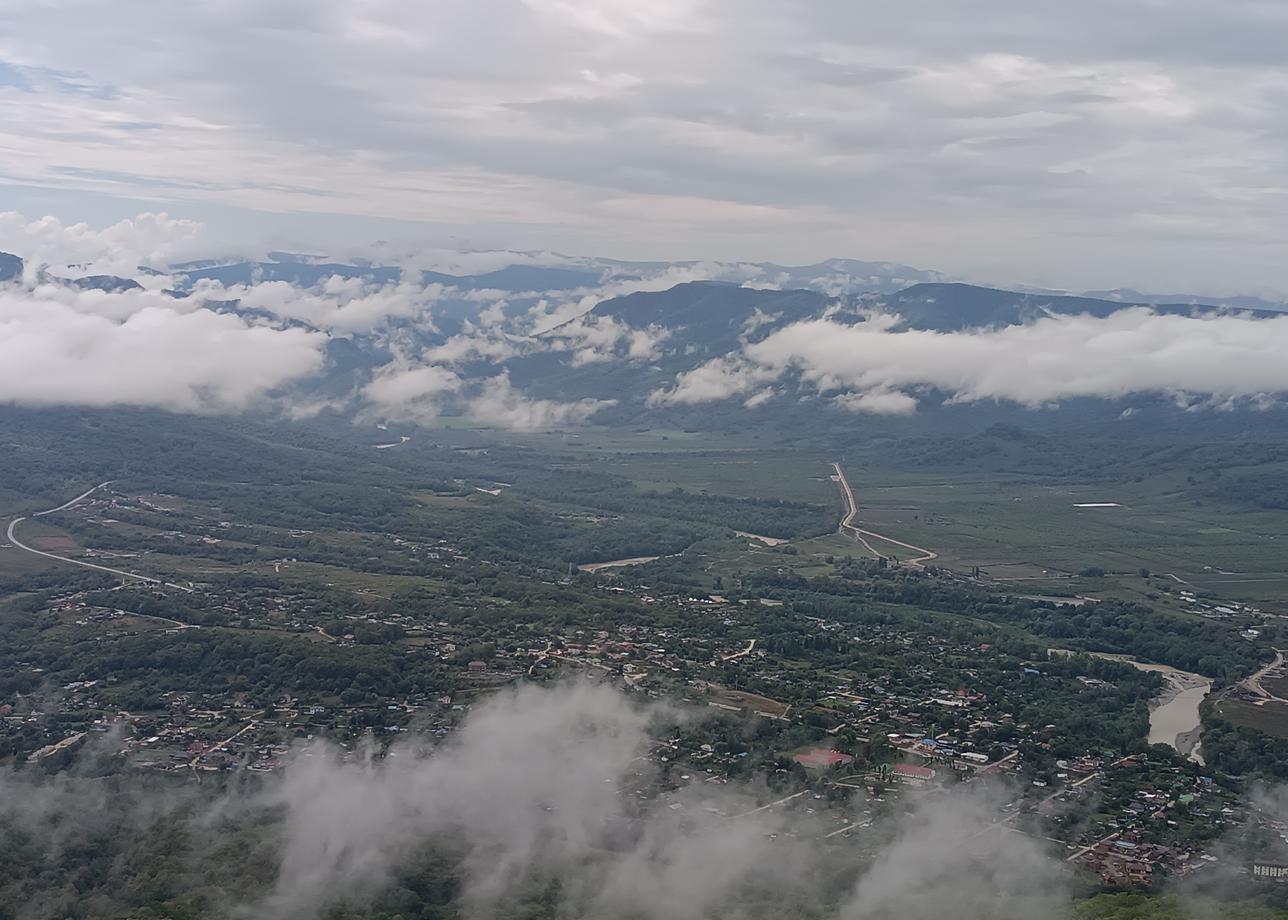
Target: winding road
847, 526
1253, 682
740, 654
12, 536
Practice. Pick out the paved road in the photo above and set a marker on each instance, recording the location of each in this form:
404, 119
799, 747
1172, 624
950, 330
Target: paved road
223, 744
782, 801
1008, 822
75, 501
847, 525
12, 536
848, 827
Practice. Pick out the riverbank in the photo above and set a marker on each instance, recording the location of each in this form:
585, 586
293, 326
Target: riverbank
1174, 713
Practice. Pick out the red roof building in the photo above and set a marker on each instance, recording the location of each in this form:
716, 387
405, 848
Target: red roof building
821, 758
908, 771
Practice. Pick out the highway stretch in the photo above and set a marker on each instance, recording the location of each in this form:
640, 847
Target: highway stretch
12, 536
847, 526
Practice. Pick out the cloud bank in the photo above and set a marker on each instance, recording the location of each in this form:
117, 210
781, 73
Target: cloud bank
873, 367
134, 349
401, 391
336, 304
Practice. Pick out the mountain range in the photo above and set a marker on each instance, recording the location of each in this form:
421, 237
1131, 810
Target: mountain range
616, 333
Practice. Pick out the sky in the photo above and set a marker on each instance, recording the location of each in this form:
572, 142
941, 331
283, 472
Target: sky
1100, 144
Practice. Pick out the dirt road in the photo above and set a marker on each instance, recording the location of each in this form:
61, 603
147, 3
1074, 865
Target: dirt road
1253, 683
847, 526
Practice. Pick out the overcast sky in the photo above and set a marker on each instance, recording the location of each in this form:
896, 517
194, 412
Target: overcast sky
1099, 143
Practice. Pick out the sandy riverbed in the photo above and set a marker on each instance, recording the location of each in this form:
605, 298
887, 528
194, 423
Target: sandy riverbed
1174, 713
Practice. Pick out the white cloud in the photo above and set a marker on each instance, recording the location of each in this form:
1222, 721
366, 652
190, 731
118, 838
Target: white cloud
759, 398
538, 791
533, 785
94, 349
74, 250
757, 319
596, 339
878, 402
488, 345
401, 391
1214, 360
498, 403
421, 392
344, 305
717, 379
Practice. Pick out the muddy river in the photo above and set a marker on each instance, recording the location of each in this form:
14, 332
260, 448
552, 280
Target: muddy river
1174, 713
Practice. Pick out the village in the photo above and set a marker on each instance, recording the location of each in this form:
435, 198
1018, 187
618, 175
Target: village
847, 722
848, 745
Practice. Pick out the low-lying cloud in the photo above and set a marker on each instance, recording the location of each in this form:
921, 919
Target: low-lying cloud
551, 790
93, 349
342, 305
403, 391
77, 249
600, 339
873, 367
501, 404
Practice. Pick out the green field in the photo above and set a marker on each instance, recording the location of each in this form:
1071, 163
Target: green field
1032, 532
751, 474
1271, 718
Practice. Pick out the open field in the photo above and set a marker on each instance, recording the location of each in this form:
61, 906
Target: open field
749, 701
373, 583
787, 476
55, 544
1271, 718
1277, 686
462, 433
1027, 530
34, 532
16, 562
128, 623
443, 501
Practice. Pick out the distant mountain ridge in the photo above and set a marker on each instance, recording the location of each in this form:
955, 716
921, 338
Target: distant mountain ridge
954, 306
10, 267
1237, 302
711, 313
832, 277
